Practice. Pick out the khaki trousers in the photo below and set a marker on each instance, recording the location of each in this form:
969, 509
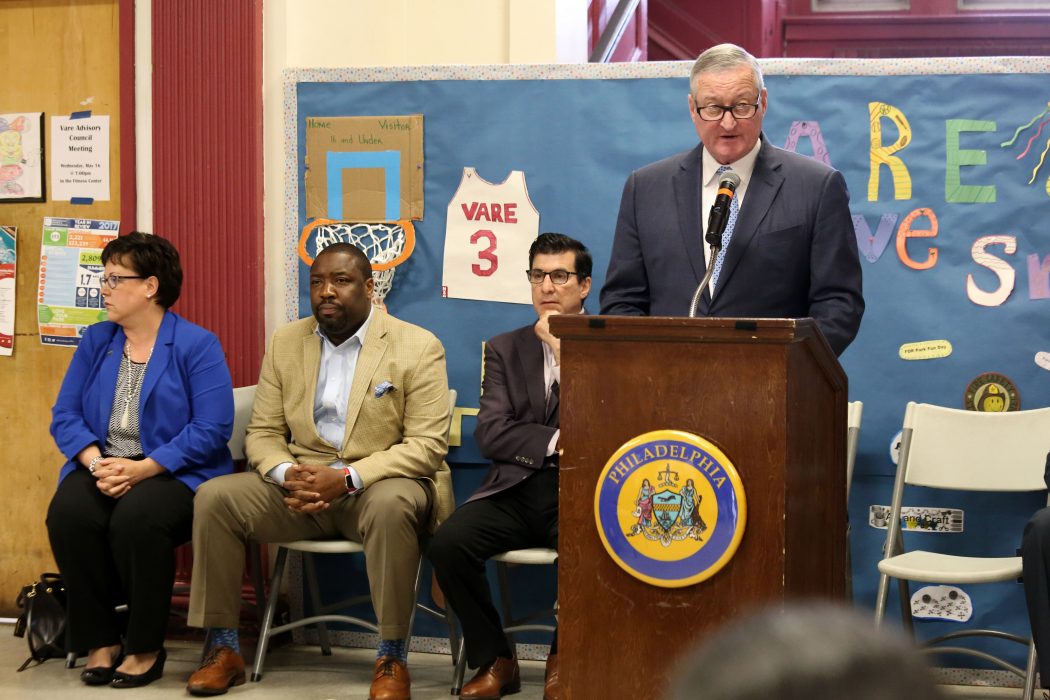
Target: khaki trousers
387, 518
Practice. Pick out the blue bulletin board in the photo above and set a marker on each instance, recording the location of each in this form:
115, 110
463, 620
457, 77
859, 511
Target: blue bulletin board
946, 163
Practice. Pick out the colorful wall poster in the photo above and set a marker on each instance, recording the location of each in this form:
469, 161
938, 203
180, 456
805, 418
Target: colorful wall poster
22, 157
8, 258
69, 298
80, 158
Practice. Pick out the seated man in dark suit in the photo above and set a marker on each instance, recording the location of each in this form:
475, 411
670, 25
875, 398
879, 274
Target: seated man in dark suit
517, 504
1035, 558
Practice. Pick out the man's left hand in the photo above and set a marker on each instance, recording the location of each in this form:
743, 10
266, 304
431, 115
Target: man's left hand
312, 487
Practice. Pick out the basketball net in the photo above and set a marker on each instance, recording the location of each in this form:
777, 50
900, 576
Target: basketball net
387, 245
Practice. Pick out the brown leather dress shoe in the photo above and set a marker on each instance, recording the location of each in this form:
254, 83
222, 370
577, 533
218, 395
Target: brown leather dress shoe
493, 681
221, 669
551, 687
390, 680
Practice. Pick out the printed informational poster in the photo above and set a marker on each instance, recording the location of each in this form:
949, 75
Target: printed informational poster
8, 258
364, 168
80, 159
22, 157
488, 232
69, 298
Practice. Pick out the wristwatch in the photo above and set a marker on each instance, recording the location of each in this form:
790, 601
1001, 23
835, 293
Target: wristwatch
350, 488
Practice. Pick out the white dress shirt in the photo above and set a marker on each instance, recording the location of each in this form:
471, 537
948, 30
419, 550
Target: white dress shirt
551, 374
709, 189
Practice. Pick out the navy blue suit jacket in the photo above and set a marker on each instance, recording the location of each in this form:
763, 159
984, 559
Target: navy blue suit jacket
793, 253
185, 406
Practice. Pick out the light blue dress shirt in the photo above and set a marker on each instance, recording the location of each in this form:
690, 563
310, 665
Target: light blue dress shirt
334, 379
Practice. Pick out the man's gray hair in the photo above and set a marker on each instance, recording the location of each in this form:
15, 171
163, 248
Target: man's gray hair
724, 57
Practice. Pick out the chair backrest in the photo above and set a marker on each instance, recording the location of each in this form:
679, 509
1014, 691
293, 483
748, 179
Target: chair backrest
853, 417
452, 394
951, 448
243, 397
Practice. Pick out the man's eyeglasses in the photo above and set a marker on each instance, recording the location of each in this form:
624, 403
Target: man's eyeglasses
715, 113
114, 280
557, 276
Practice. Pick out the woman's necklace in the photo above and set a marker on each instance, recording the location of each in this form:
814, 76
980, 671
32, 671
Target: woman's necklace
133, 385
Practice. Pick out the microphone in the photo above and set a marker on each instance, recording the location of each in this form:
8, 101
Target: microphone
716, 222
716, 226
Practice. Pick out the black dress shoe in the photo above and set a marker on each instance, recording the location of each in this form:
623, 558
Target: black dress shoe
101, 675
137, 680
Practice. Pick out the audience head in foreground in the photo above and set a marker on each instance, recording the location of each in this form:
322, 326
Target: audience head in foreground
805, 651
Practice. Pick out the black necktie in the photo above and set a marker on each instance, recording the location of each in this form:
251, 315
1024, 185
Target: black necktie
552, 419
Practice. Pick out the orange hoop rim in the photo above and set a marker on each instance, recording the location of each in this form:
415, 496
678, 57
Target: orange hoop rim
405, 224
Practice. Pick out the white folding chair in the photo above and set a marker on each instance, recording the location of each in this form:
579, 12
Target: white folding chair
323, 613
853, 416
243, 398
946, 448
528, 623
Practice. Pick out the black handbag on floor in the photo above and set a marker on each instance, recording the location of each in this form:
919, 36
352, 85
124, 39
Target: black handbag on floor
43, 619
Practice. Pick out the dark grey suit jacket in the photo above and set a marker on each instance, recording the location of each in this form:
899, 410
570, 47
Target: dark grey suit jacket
515, 425
793, 253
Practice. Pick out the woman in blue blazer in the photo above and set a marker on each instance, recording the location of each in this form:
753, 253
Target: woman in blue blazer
143, 417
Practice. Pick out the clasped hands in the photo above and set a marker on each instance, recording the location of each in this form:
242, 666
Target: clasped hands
114, 476
312, 487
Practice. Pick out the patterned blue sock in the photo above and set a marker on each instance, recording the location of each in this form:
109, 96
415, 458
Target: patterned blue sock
392, 647
224, 637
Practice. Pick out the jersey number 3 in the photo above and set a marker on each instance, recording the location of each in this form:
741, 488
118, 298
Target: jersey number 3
487, 255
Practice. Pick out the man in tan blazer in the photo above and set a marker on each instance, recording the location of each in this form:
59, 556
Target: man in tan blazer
347, 437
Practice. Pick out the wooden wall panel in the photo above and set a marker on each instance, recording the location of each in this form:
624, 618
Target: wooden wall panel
207, 166
681, 30
925, 28
911, 35
59, 56
634, 43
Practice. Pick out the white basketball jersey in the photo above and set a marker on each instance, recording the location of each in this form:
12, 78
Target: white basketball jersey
488, 233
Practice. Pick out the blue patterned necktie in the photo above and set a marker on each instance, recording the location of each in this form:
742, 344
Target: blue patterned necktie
734, 210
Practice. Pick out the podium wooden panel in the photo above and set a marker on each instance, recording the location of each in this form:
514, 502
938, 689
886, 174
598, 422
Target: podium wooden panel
771, 394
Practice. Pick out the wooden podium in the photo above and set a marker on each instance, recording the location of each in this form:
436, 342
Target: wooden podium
772, 396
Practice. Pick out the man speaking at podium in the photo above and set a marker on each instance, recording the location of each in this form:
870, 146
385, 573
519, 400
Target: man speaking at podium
787, 247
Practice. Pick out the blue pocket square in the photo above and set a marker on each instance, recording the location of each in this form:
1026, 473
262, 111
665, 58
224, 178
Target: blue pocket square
384, 387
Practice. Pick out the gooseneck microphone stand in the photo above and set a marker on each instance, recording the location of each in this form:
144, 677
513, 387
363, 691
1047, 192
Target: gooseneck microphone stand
716, 226
715, 248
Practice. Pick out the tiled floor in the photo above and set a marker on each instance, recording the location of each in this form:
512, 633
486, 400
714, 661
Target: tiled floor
290, 672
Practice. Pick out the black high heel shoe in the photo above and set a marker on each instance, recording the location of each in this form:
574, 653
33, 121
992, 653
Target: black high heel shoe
101, 675
137, 680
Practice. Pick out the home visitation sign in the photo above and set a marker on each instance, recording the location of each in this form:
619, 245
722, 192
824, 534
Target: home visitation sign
69, 295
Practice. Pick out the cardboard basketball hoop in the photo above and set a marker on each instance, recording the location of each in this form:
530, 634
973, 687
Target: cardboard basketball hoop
387, 245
